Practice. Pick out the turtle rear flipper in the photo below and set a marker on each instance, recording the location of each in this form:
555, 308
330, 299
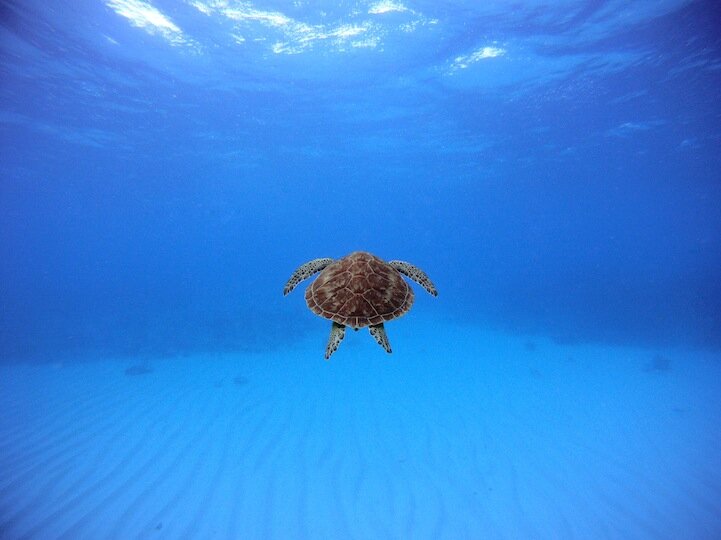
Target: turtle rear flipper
337, 332
378, 331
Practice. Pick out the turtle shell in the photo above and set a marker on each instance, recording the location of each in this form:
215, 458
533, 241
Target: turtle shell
359, 290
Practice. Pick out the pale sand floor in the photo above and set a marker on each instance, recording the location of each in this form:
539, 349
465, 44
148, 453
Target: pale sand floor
458, 434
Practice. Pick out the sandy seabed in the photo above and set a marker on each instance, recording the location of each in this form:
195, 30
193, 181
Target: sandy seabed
461, 433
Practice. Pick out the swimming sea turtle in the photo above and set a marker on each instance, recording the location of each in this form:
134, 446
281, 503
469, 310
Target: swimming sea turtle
359, 290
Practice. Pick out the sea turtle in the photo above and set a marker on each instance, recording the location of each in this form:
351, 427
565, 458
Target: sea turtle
359, 290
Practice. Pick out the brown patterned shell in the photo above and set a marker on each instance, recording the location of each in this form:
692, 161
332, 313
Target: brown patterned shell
359, 290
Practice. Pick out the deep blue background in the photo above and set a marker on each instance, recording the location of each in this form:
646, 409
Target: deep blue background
155, 197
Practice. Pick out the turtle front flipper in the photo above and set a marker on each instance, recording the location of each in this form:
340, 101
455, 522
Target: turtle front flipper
416, 274
378, 331
337, 332
304, 272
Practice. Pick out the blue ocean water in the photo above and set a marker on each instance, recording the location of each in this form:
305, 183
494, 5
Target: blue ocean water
555, 168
